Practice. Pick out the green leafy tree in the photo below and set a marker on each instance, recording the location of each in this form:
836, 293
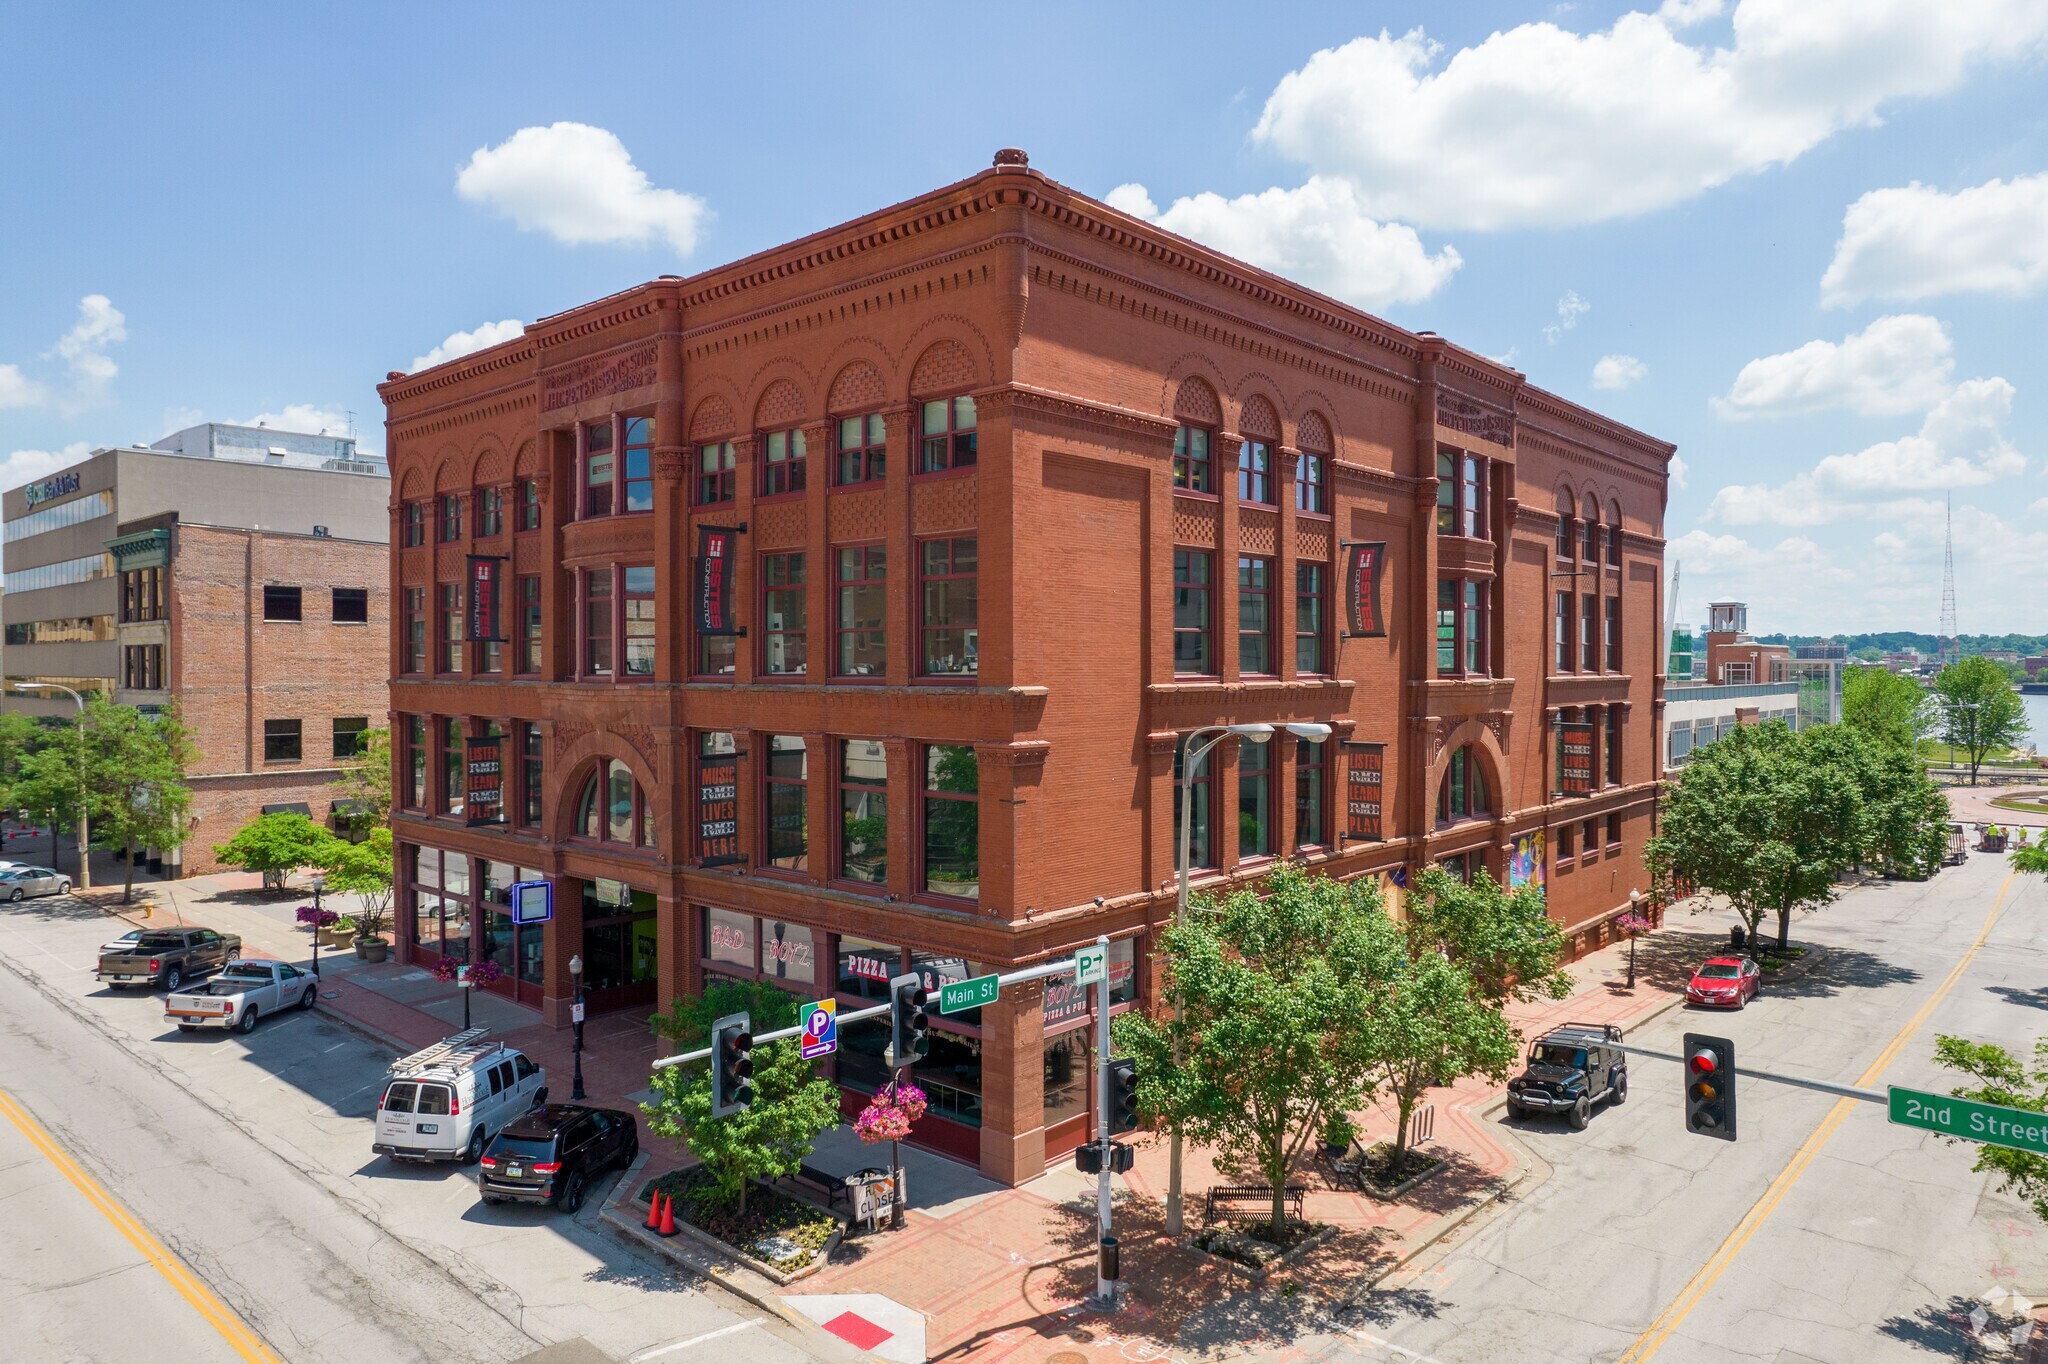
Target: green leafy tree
1433, 1026
1757, 818
1886, 706
277, 845
2004, 1080
55, 781
20, 735
792, 1105
366, 775
1274, 984
1505, 939
363, 870
1981, 710
1901, 817
2032, 858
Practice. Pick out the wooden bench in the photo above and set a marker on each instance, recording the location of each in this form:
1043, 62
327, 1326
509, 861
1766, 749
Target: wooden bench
1256, 1195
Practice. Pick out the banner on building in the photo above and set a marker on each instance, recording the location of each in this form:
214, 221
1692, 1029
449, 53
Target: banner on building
483, 780
1365, 767
1525, 863
1575, 758
486, 598
1363, 569
717, 556
718, 810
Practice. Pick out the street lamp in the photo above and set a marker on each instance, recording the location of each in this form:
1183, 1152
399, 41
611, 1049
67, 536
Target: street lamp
1635, 904
319, 884
84, 828
576, 1018
1258, 732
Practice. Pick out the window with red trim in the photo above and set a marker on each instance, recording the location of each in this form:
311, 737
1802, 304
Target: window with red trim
451, 517
451, 628
490, 510
598, 468
783, 614
1191, 459
1255, 616
949, 635
529, 625
782, 462
415, 660
949, 437
1462, 793
1255, 473
860, 640
716, 479
1311, 489
1311, 603
529, 504
860, 450
612, 808
413, 524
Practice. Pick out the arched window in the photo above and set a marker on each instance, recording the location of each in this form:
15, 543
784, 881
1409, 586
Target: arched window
1565, 539
1463, 792
1592, 554
612, 808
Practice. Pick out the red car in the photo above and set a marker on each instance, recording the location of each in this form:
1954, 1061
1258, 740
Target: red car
1724, 983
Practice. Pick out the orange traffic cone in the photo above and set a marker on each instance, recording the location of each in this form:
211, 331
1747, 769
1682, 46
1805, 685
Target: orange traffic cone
654, 1210
668, 1216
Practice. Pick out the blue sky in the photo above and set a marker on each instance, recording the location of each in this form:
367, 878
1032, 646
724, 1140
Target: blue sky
1806, 240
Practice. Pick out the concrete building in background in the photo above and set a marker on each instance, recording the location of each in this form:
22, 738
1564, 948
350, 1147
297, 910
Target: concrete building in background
237, 570
1736, 680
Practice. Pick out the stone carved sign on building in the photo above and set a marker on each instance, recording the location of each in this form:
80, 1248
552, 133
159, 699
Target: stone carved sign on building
1465, 416
598, 377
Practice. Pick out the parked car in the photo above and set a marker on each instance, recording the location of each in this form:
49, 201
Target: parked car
1724, 983
446, 1102
18, 882
551, 1154
243, 992
168, 957
1570, 1069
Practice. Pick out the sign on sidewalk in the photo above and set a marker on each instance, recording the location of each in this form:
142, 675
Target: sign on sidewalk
957, 995
1091, 964
1991, 1124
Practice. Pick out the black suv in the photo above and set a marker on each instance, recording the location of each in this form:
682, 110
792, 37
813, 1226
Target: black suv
551, 1153
1570, 1069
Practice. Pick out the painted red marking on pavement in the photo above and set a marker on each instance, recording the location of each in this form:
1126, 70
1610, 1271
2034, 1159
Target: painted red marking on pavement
857, 1330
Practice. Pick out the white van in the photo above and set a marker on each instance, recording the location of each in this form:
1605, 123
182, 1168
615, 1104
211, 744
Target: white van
448, 1101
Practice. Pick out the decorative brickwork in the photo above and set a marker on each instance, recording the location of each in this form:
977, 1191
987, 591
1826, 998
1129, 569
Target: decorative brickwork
944, 368
857, 389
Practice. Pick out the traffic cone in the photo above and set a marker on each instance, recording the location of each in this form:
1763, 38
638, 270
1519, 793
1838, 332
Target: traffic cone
668, 1216
654, 1210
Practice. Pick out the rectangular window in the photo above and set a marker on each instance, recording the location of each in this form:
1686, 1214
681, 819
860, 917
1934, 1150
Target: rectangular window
948, 430
1254, 799
281, 603
348, 734
1311, 594
529, 504
1194, 612
717, 655
1589, 634
863, 812
948, 635
451, 627
597, 468
1446, 626
413, 524
784, 784
858, 620
1255, 473
529, 625
782, 462
530, 788
281, 741
597, 622
1446, 493
490, 511
451, 517
352, 605
636, 612
1565, 538
1564, 632
1472, 497
1614, 832
1614, 634
413, 729
452, 755
1255, 616
1311, 489
1564, 842
861, 450
1614, 745
1200, 810
1614, 541
1310, 774
1592, 534
1191, 460
1591, 841
1464, 615
415, 657
715, 477
637, 485
782, 614
952, 827
1473, 629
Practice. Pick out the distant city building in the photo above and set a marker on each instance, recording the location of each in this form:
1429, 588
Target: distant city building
1822, 650
2007, 656
1737, 680
2035, 665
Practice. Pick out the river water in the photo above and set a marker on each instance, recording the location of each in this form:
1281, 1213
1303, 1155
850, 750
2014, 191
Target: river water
2037, 720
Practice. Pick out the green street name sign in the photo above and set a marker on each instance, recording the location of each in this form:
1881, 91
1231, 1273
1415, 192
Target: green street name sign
968, 994
1966, 1118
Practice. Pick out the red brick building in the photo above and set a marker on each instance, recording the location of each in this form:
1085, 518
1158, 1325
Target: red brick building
1021, 490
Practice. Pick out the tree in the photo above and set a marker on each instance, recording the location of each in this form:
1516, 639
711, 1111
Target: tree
2004, 1081
20, 735
1757, 818
2031, 858
1980, 708
1433, 1026
136, 768
1274, 984
1902, 818
1886, 706
366, 775
363, 870
1505, 939
792, 1105
277, 845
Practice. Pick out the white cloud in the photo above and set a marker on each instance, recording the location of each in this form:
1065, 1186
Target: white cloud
1893, 366
1679, 469
26, 466
458, 344
1686, 13
1570, 309
311, 419
1507, 357
84, 349
578, 184
2039, 507
1539, 126
1318, 234
1918, 242
1618, 371
18, 390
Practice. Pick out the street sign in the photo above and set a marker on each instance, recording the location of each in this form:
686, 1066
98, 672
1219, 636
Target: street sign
957, 995
576, 1012
821, 1028
1972, 1121
533, 902
1091, 964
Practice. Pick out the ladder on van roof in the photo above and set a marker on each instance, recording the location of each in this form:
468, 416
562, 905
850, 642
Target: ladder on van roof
468, 1041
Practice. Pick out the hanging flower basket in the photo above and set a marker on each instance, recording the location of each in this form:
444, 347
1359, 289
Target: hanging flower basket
449, 969
889, 1114
318, 918
1633, 923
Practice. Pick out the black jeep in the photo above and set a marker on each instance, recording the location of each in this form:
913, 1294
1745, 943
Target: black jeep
1570, 1069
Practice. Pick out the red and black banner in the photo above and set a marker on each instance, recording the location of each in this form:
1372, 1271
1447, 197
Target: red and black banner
1574, 758
483, 780
718, 810
1365, 769
717, 562
486, 598
1365, 565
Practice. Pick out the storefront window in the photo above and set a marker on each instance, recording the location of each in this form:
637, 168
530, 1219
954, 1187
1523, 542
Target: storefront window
729, 937
618, 936
1067, 1075
865, 967
952, 813
937, 970
787, 770
863, 812
788, 953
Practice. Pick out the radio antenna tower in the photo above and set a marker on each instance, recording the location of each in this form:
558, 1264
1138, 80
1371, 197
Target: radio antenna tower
1948, 647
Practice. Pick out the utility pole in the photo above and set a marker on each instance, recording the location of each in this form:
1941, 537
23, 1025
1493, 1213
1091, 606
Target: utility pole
1107, 1270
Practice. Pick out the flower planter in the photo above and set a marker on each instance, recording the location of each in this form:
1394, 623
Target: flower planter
372, 949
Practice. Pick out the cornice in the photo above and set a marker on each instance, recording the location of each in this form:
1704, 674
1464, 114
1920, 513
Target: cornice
1385, 478
464, 411
399, 387
1066, 407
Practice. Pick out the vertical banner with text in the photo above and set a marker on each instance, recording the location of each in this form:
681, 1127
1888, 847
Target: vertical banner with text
483, 780
1574, 758
486, 598
717, 551
1363, 568
718, 809
1365, 767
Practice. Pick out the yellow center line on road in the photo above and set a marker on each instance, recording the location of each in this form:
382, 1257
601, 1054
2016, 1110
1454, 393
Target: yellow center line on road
244, 1341
1652, 1340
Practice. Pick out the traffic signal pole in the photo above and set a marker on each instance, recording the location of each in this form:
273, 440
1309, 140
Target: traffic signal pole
1870, 1096
1107, 1270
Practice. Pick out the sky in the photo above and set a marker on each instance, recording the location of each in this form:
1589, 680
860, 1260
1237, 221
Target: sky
1804, 240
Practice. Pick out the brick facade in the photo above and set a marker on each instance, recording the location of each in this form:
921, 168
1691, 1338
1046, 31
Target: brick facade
1087, 340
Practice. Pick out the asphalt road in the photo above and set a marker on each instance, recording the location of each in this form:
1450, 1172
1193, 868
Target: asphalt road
1823, 1234
202, 1197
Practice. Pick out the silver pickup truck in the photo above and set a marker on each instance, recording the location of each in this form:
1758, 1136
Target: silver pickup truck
243, 992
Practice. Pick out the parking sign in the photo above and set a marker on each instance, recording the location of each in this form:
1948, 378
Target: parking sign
821, 1028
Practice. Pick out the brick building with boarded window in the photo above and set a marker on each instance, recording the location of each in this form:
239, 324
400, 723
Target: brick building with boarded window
854, 600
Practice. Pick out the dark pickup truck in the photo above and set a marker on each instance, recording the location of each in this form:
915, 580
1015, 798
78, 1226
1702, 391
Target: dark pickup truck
167, 956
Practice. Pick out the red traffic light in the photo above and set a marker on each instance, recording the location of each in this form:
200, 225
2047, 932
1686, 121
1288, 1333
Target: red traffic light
1702, 1062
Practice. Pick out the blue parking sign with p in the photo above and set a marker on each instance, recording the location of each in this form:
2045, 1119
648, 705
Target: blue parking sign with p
821, 1028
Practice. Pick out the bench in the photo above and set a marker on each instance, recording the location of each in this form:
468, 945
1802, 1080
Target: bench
832, 1187
1256, 1195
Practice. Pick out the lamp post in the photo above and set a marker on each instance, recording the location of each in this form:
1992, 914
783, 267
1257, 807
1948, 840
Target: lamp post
1635, 905
1191, 754
84, 827
319, 884
576, 1019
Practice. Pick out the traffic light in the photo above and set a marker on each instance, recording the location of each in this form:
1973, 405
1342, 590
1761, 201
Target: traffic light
1123, 1094
732, 1065
1710, 1086
910, 1027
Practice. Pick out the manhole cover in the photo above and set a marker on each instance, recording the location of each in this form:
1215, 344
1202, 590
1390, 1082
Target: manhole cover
330, 994
1068, 1357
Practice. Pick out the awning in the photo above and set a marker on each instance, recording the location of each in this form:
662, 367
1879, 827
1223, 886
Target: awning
289, 807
